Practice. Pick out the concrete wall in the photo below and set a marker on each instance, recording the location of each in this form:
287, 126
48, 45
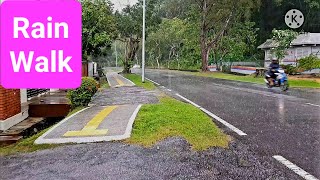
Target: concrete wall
237, 69
92, 69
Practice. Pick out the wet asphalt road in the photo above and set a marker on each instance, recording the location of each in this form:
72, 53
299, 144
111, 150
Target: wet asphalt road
168, 159
276, 123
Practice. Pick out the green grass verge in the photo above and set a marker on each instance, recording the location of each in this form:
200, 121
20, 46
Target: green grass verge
259, 80
104, 84
137, 80
170, 118
27, 145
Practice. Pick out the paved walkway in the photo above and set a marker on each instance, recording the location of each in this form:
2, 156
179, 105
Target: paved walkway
93, 124
109, 118
116, 80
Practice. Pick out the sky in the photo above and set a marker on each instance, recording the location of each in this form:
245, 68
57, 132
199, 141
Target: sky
119, 4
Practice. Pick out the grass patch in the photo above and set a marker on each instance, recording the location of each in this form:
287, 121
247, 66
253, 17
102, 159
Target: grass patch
137, 80
304, 83
104, 84
170, 118
293, 82
27, 145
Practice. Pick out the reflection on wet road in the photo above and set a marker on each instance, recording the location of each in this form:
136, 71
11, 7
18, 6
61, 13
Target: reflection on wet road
284, 124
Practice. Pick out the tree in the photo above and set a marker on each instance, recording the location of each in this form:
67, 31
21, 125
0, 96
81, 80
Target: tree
98, 27
283, 38
215, 17
167, 40
309, 63
236, 43
171, 9
271, 14
129, 23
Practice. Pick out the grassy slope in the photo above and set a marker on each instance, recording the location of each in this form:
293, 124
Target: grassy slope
27, 145
251, 79
171, 117
137, 80
174, 118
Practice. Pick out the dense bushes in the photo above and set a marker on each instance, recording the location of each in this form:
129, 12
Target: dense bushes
289, 69
304, 64
185, 65
309, 63
82, 96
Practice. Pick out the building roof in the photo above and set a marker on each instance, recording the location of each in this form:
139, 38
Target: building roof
302, 39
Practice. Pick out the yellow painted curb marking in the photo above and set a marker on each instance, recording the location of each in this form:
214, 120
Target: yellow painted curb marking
119, 81
91, 128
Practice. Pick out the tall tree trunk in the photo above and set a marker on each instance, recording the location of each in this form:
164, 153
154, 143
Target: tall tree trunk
158, 62
205, 59
132, 48
159, 56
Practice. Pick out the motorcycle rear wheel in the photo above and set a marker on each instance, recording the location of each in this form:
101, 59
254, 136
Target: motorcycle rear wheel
268, 85
284, 86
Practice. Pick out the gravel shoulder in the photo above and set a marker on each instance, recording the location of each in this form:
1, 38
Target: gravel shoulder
169, 159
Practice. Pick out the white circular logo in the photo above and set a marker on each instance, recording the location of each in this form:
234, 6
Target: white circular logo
294, 18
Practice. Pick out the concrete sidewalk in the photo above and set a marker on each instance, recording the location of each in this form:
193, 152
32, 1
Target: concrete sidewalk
116, 80
110, 116
93, 124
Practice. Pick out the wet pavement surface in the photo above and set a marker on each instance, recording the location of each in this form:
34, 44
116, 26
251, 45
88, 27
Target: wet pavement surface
277, 123
117, 80
110, 116
169, 159
124, 95
94, 124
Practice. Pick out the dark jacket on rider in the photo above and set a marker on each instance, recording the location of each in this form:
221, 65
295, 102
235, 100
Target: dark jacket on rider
273, 67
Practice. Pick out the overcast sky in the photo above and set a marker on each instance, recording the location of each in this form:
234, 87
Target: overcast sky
119, 4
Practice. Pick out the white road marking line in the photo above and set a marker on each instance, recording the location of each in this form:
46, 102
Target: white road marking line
313, 104
163, 87
194, 104
230, 126
153, 81
295, 168
169, 90
132, 84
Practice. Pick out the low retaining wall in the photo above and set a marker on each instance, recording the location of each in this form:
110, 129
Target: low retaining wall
238, 69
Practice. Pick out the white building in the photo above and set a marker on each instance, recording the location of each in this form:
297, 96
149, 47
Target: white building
304, 45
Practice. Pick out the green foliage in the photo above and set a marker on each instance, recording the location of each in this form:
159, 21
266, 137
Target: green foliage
171, 9
283, 38
270, 15
237, 43
289, 69
185, 65
215, 17
294, 83
309, 63
137, 80
167, 41
82, 95
98, 27
129, 24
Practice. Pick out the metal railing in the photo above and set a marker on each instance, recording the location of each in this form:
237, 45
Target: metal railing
35, 92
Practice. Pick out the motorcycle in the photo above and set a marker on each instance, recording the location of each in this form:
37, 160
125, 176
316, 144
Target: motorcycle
281, 80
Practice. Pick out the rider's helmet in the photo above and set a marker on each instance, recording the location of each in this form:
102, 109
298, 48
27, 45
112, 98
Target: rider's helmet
275, 61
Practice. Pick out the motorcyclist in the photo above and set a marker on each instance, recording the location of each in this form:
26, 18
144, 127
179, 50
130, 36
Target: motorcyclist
273, 68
